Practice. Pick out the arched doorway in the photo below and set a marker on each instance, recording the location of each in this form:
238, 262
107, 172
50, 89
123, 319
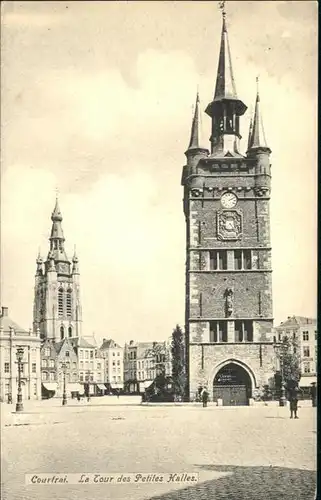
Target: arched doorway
232, 384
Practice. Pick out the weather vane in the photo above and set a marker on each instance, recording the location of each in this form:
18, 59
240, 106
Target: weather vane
222, 7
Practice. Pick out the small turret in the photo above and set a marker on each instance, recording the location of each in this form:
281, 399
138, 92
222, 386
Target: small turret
39, 262
258, 149
75, 265
195, 150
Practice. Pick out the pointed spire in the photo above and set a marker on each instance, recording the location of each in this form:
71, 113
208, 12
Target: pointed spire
56, 214
75, 258
57, 238
257, 139
75, 261
250, 133
196, 139
225, 83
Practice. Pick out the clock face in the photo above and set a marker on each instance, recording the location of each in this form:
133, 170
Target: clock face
228, 200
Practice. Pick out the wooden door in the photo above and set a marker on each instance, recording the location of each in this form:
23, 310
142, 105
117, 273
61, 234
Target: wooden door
232, 395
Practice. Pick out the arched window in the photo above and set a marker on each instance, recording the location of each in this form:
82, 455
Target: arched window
69, 303
44, 376
62, 332
70, 331
60, 302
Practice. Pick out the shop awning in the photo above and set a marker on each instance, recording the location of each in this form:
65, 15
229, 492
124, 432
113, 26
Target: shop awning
307, 381
50, 386
101, 387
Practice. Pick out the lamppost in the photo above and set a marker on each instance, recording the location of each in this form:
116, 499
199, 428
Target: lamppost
64, 394
19, 404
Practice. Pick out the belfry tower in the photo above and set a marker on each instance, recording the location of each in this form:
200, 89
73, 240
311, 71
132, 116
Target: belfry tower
228, 299
57, 308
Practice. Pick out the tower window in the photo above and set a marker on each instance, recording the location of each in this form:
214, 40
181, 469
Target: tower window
60, 302
238, 259
62, 332
306, 352
69, 303
248, 331
306, 367
247, 264
239, 331
218, 260
70, 331
242, 259
218, 331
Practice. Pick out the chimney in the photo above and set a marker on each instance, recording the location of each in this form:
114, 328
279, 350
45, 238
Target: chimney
4, 311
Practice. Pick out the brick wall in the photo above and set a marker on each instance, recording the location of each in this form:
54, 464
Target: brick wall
258, 359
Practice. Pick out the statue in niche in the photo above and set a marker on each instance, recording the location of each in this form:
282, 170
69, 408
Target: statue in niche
229, 301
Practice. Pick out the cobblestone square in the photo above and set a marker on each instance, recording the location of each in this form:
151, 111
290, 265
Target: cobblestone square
239, 453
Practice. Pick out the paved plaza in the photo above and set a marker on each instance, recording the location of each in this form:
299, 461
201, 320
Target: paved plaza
238, 453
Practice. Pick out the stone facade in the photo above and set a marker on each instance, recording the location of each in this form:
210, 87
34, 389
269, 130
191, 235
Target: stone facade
228, 303
13, 336
57, 307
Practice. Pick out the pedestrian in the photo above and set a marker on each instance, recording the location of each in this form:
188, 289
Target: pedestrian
314, 394
204, 397
293, 399
78, 396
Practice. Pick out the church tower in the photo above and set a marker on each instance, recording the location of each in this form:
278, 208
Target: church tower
228, 299
57, 308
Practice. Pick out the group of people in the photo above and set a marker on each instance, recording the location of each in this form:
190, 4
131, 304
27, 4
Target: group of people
293, 397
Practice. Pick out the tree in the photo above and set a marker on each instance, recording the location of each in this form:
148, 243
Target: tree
290, 370
178, 362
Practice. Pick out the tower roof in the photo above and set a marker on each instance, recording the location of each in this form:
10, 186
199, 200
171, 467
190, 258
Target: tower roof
196, 132
56, 214
225, 88
225, 84
57, 238
257, 135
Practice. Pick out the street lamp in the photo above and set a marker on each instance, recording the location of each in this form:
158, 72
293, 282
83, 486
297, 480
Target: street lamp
19, 404
64, 394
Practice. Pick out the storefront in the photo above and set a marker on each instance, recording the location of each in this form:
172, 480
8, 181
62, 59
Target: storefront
48, 389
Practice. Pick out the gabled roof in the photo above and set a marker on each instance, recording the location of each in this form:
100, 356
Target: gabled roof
296, 321
59, 345
109, 344
81, 342
7, 323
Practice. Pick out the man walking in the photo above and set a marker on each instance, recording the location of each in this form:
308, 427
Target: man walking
204, 397
293, 399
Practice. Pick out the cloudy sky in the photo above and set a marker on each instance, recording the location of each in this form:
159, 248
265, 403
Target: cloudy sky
97, 102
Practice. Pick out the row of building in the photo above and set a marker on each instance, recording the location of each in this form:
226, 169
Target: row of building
110, 367
46, 364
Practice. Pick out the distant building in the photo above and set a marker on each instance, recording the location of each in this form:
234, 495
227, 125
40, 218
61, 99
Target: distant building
143, 361
113, 355
91, 365
13, 336
304, 330
49, 377
57, 308
59, 360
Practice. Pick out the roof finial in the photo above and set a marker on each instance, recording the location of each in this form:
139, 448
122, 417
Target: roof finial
57, 192
222, 7
257, 84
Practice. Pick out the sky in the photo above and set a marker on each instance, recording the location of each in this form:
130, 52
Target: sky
97, 102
